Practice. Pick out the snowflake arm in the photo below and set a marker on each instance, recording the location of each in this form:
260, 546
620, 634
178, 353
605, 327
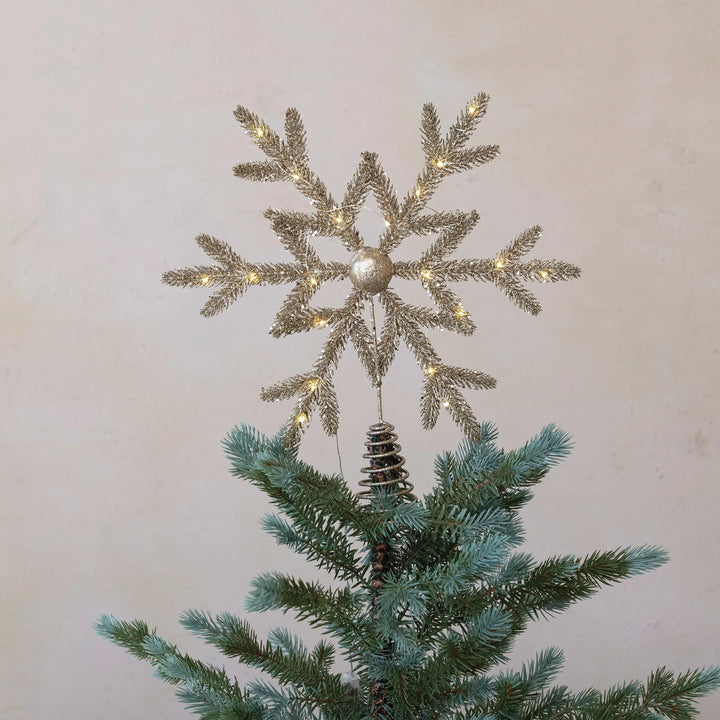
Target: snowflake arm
444, 156
232, 275
290, 162
442, 382
504, 270
315, 389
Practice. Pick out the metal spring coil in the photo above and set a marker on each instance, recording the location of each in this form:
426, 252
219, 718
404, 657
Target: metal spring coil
386, 471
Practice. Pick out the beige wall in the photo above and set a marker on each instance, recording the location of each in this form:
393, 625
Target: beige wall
117, 142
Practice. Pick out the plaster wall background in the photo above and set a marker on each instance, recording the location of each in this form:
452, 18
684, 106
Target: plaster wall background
118, 140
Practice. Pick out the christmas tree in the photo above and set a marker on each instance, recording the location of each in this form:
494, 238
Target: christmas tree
427, 595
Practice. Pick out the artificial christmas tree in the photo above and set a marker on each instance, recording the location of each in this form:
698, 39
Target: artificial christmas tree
428, 593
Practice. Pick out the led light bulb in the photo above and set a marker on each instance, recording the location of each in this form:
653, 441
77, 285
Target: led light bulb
472, 109
259, 131
430, 370
252, 278
313, 384
446, 404
301, 419
425, 274
387, 223
313, 280
418, 191
460, 312
499, 263
544, 274
319, 322
205, 279
440, 163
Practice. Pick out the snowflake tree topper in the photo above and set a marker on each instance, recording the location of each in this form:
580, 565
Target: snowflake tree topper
370, 269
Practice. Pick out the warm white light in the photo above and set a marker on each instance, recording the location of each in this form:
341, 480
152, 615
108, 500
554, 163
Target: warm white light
440, 163
446, 403
295, 176
430, 370
387, 223
205, 279
418, 191
339, 218
425, 274
301, 418
313, 384
499, 263
544, 274
460, 312
252, 278
319, 322
259, 131
472, 109
313, 280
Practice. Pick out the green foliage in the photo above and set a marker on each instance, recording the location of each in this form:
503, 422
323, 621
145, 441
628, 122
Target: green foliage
203, 688
454, 595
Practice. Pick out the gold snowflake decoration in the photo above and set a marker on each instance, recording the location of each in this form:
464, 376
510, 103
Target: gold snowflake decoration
371, 269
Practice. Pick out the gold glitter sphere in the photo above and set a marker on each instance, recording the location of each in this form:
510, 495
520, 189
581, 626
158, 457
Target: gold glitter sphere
371, 270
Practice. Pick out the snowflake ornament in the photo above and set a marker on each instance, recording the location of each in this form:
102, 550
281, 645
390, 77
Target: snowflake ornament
370, 270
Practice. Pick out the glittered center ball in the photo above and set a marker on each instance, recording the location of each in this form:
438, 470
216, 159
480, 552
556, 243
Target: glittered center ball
371, 270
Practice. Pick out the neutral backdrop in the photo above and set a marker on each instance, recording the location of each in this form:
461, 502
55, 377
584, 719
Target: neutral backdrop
118, 141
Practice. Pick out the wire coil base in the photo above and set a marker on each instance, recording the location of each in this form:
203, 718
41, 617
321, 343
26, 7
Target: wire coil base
386, 468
